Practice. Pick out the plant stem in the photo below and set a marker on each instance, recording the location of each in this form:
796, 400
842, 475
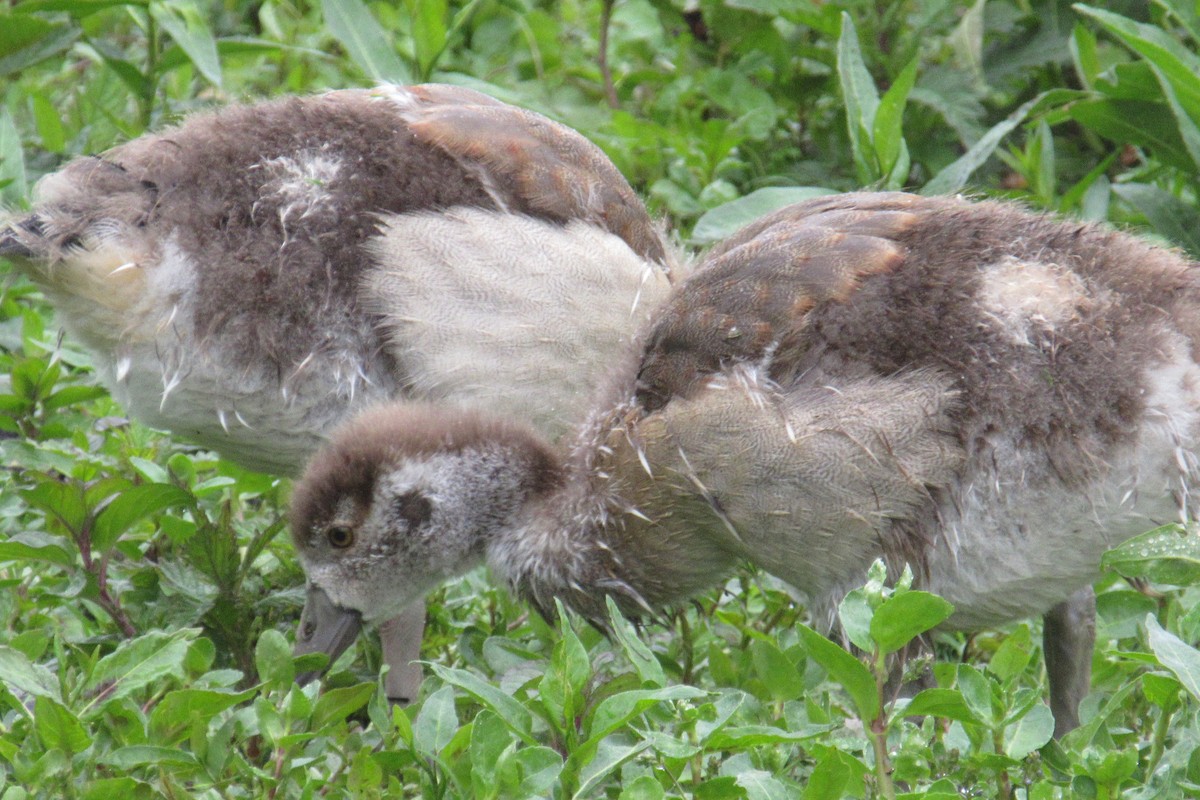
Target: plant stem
1158, 742
610, 91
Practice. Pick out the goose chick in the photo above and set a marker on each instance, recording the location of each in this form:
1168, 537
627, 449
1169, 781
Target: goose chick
990, 396
254, 276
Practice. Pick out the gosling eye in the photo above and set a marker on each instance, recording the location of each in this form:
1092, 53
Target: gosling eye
339, 536
414, 508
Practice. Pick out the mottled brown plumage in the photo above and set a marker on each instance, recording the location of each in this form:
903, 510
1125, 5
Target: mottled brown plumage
257, 274
991, 396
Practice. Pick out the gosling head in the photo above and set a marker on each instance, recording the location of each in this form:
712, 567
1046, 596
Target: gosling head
403, 498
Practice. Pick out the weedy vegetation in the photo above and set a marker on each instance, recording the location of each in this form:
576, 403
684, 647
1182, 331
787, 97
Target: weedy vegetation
147, 596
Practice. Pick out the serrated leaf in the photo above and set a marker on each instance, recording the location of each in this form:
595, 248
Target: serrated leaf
179, 709
58, 727
132, 506
903, 617
140, 662
19, 674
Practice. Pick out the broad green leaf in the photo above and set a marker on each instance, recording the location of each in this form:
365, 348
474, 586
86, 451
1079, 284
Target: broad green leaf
1167, 554
366, 43
828, 779
903, 617
1030, 732
1177, 221
25, 40
144, 755
436, 723
615, 710
854, 614
1138, 122
776, 670
536, 771
35, 546
946, 703
337, 704
185, 24
643, 788
976, 692
743, 736
273, 659
58, 727
1013, 655
725, 220
762, 785
19, 674
429, 31
1083, 53
140, 662
846, 670
561, 688
179, 709
1178, 656
609, 757
516, 716
648, 669
132, 506
490, 737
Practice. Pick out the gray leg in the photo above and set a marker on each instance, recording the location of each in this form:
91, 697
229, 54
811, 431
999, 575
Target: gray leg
1068, 640
401, 640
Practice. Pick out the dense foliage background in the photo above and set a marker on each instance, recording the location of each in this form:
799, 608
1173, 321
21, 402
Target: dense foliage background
147, 600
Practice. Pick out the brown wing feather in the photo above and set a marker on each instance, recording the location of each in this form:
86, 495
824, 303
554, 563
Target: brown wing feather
544, 168
751, 296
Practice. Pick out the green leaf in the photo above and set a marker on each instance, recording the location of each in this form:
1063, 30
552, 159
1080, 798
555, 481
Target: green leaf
761, 785
744, 736
13, 186
365, 41
19, 674
615, 710
609, 757
436, 723
844, 668
946, 703
903, 617
140, 755
58, 728
35, 546
132, 506
955, 176
561, 688
726, 219
776, 670
1030, 732
140, 662
337, 704
1177, 221
976, 691
181, 708
273, 659
1139, 122
1167, 554
829, 778
648, 669
516, 716
861, 99
26, 40
186, 25
1178, 656
891, 151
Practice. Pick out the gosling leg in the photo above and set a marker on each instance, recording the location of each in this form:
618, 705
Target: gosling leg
1068, 640
401, 638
